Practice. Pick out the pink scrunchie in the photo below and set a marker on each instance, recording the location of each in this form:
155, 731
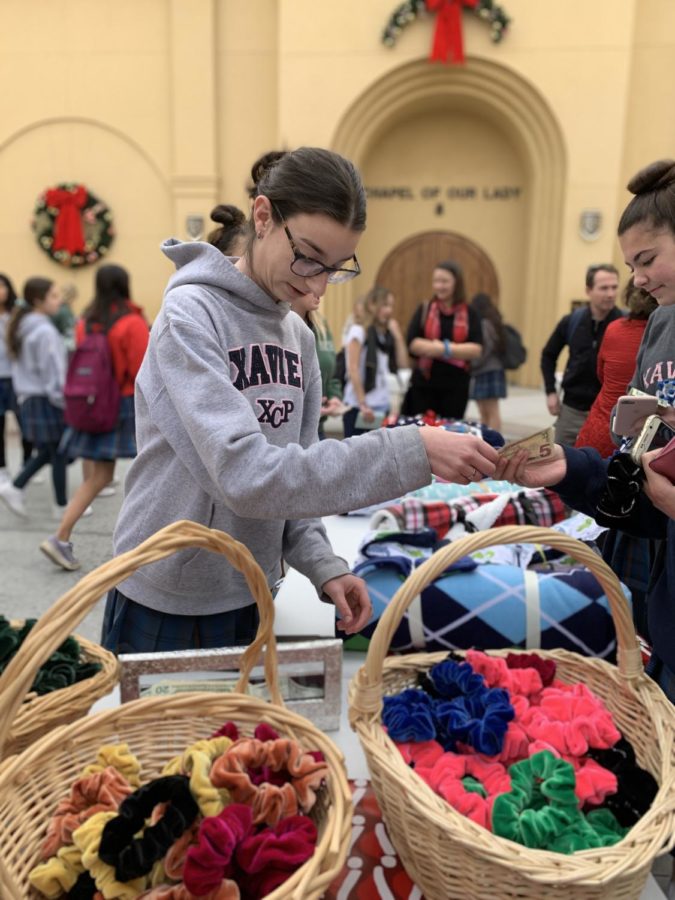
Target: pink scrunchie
570, 718
210, 861
593, 781
101, 792
445, 778
421, 753
525, 681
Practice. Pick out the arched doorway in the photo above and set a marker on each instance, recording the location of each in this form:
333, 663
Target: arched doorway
407, 269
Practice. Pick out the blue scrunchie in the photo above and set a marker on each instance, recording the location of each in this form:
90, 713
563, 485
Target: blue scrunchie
409, 716
452, 679
479, 720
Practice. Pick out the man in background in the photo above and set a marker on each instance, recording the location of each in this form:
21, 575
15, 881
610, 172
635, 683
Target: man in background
582, 332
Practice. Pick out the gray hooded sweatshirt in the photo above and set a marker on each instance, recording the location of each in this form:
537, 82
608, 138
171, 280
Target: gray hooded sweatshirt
40, 370
227, 408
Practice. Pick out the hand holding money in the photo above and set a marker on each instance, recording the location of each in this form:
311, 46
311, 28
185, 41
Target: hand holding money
539, 446
534, 461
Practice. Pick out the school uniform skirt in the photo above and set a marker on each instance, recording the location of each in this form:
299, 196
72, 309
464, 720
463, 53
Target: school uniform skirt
117, 444
488, 385
7, 397
41, 422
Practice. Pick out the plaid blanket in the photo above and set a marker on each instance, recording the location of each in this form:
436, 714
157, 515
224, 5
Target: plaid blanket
539, 507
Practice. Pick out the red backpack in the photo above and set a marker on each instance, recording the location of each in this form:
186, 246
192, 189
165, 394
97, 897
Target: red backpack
91, 392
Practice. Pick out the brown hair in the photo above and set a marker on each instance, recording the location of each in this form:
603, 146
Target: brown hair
640, 303
654, 200
309, 180
459, 292
375, 297
232, 222
486, 309
34, 290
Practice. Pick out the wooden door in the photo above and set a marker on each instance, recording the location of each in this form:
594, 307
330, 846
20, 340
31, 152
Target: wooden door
407, 269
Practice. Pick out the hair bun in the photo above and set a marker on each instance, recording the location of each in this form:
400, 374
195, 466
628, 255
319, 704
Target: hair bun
655, 177
227, 215
263, 164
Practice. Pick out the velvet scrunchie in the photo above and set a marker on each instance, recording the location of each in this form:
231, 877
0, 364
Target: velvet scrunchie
211, 861
409, 716
450, 679
478, 720
131, 856
227, 890
468, 783
571, 718
636, 788
120, 757
87, 839
58, 875
545, 667
196, 763
270, 802
541, 804
525, 680
269, 857
101, 791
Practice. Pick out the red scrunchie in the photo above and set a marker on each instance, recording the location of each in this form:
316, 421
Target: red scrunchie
210, 861
269, 857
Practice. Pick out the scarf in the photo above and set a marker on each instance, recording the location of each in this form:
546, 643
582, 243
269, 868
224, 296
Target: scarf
432, 332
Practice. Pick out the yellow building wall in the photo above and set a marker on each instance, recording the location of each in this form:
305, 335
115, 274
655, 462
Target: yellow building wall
160, 107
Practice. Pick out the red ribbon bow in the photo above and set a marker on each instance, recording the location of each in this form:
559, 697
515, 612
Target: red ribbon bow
448, 42
68, 233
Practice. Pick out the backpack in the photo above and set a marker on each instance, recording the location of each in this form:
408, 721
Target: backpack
574, 321
91, 392
515, 353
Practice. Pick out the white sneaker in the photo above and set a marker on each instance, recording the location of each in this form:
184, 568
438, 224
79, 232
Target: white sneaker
12, 497
4, 475
89, 511
107, 491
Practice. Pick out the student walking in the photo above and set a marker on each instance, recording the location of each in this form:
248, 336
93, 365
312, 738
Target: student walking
112, 313
228, 402
7, 396
38, 365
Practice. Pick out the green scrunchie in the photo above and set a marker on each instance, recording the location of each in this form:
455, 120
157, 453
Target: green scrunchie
541, 811
473, 786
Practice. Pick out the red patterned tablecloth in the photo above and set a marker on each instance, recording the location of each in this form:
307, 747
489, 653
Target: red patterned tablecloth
373, 869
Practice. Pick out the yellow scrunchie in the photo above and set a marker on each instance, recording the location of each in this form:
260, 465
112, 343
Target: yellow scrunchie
196, 762
57, 876
87, 839
119, 757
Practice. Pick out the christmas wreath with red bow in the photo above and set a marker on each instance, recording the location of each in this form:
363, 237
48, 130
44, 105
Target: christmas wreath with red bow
72, 225
448, 45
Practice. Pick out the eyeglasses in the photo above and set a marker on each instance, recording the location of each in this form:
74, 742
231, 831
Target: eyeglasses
307, 267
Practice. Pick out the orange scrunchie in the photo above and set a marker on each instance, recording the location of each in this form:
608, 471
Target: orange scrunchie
270, 802
228, 890
101, 792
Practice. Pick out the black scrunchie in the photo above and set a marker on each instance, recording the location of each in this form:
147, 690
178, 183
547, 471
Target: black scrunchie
133, 857
624, 483
83, 889
636, 788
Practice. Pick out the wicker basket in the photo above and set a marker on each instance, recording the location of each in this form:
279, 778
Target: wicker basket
39, 713
156, 728
447, 854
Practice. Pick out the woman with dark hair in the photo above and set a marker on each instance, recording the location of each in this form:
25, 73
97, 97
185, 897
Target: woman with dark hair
7, 397
616, 364
633, 497
38, 363
488, 379
113, 313
230, 236
444, 336
228, 407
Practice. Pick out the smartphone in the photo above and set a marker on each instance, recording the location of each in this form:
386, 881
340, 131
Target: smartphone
630, 411
655, 433
664, 463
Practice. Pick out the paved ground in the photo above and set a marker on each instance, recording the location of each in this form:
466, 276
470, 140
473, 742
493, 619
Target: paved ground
29, 582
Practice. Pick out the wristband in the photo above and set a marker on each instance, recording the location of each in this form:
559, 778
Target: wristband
448, 349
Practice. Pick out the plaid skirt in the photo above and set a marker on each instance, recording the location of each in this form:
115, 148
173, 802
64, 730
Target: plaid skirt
129, 627
41, 422
7, 397
488, 385
117, 444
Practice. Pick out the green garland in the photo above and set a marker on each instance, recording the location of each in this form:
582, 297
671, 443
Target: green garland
410, 10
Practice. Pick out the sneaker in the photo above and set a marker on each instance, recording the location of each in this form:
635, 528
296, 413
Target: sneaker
60, 553
89, 511
12, 497
4, 475
107, 491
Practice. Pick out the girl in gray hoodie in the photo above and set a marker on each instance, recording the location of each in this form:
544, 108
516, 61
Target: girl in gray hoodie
227, 407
